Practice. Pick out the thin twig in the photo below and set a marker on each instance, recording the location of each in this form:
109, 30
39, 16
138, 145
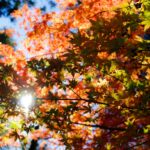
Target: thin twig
100, 126
131, 147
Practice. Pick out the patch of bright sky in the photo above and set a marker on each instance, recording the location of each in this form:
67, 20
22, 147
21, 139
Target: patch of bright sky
10, 148
5, 22
52, 144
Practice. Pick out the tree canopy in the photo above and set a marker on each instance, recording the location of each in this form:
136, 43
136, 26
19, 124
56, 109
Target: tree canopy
87, 67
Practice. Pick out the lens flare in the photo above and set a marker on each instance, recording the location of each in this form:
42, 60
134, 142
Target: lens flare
26, 101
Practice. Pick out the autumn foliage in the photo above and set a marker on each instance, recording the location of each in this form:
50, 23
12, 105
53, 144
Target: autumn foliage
88, 67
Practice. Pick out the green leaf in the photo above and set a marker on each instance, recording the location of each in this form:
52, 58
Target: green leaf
146, 24
140, 85
120, 73
115, 95
113, 66
108, 146
145, 130
47, 64
88, 77
1, 111
130, 85
15, 125
147, 14
129, 121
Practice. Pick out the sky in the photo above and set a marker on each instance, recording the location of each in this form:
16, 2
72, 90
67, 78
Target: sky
6, 23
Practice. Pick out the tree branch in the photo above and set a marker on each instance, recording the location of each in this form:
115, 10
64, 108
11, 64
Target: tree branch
91, 101
72, 99
94, 125
131, 147
101, 126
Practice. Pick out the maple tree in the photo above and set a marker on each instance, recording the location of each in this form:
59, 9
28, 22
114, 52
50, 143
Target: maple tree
89, 72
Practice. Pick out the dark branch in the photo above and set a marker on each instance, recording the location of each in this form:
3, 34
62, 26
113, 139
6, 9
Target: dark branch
139, 144
101, 126
92, 101
72, 99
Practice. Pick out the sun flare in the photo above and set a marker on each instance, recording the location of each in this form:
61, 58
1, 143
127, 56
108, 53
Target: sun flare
26, 101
